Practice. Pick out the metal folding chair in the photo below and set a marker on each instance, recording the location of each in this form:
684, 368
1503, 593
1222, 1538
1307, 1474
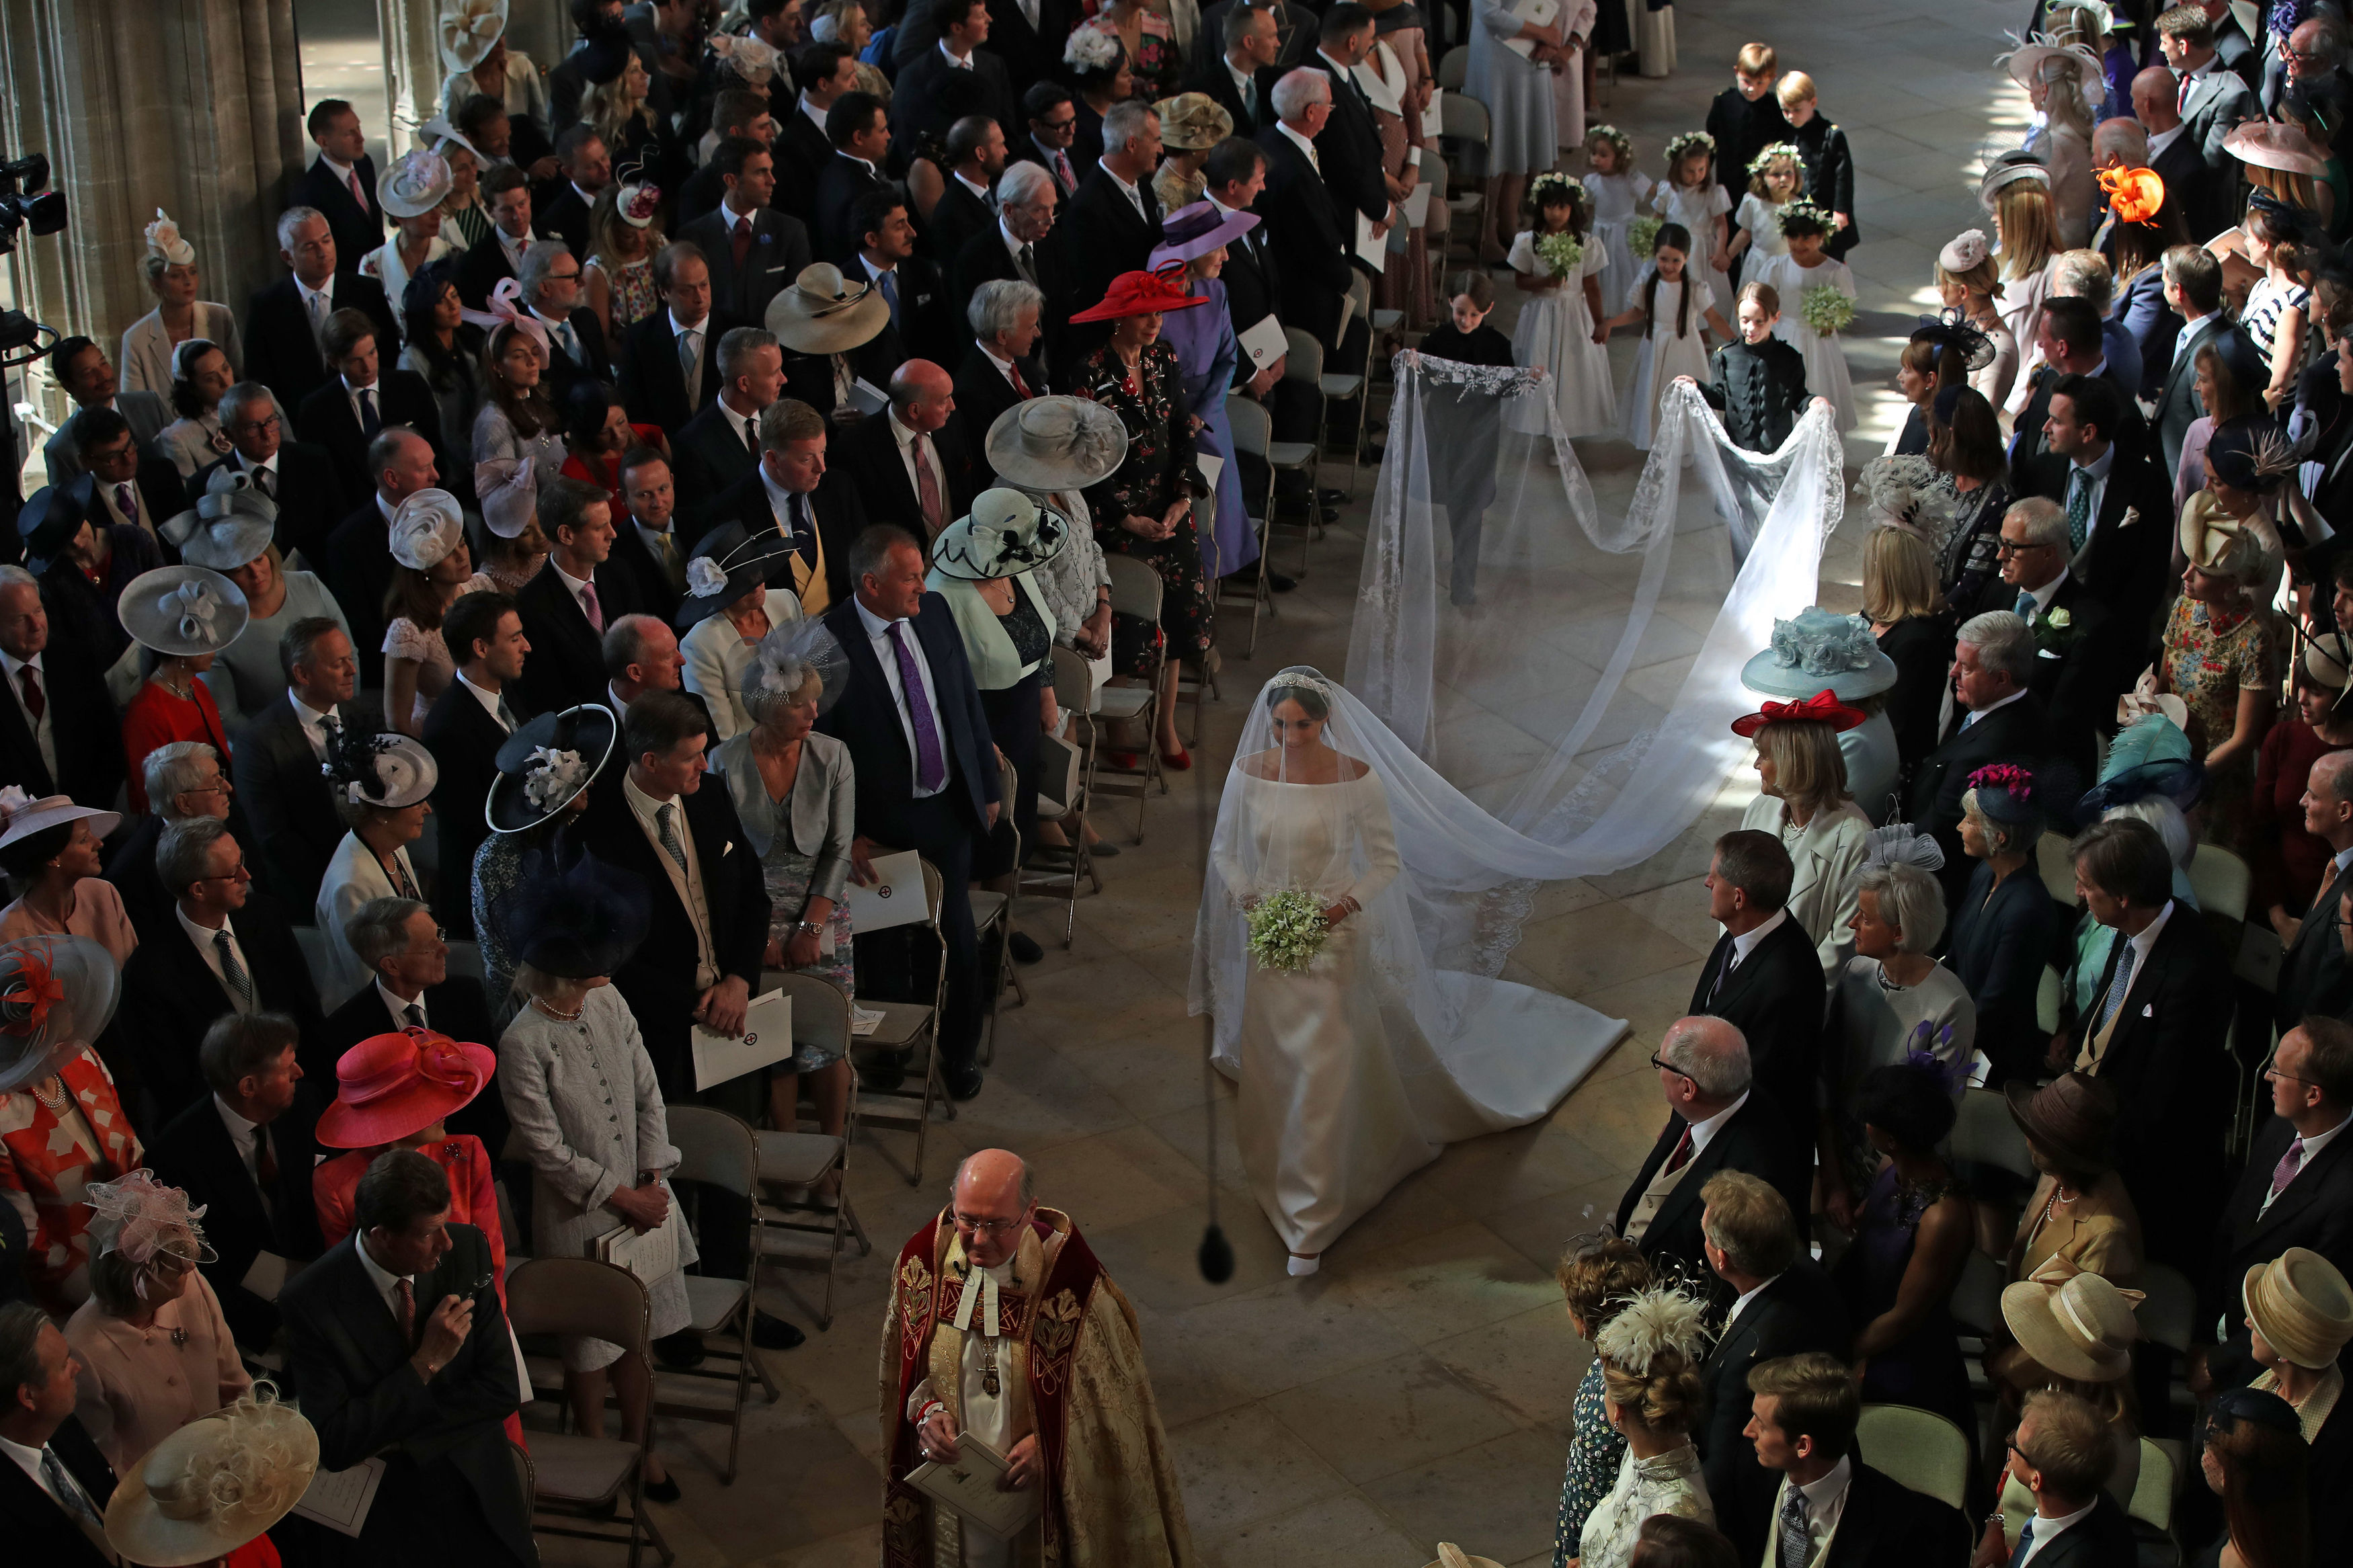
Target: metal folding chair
1134, 592
1054, 871
1253, 429
787, 1158
716, 1148
1352, 384
993, 911
909, 1031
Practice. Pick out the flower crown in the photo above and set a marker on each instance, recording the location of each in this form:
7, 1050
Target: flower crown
1690, 141
1773, 155
1617, 139
1802, 213
1561, 188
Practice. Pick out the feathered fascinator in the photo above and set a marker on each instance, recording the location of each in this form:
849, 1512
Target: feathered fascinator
1093, 48
1902, 843
1653, 1320
1952, 331
2149, 756
1774, 153
139, 1218
749, 58
388, 771
1902, 492
1690, 141
788, 656
1802, 216
2135, 195
2258, 458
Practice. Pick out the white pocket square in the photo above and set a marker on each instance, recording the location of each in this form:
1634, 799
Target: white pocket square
2149, 1009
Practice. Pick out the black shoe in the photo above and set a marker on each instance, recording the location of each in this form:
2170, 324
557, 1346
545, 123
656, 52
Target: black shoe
961, 1080
1331, 497
771, 1333
662, 1490
1102, 849
1024, 947
1280, 584
679, 1351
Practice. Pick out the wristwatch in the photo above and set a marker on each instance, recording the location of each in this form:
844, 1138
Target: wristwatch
811, 927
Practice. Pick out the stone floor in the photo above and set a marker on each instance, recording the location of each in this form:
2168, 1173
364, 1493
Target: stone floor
1417, 1389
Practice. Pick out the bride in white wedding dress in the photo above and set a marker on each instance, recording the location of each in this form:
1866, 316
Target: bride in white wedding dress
1352, 1073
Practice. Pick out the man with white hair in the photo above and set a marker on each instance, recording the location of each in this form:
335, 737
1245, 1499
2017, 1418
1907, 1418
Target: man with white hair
183, 779
2074, 672
993, 1292
1996, 719
58, 734
1713, 1125
1000, 368
1021, 246
285, 320
2308, 76
1306, 229
550, 276
1113, 218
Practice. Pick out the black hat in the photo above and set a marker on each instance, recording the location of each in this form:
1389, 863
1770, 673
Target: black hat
573, 915
546, 764
54, 515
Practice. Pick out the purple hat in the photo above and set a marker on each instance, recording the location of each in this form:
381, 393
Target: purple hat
1191, 233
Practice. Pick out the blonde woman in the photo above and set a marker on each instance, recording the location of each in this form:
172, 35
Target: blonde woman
2056, 79
1907, 610
465, 218
1969, 280
1803, 799
2017, 191
619, 112
624, 233
1650, 1354
145, 359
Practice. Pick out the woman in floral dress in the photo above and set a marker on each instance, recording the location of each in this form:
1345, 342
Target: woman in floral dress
1598, 1281
2219, 657
624, 233
1146, 508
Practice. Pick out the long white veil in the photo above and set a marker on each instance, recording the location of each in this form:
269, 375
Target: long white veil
1577, 680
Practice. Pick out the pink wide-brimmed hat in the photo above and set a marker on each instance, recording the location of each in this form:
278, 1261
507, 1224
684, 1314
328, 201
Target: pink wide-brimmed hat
390, 1086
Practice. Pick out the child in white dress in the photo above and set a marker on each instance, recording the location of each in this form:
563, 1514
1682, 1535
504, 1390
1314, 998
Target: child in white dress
1671, 308
1618, 193
1694, 197
1557, 313
1804, 228
1775, 177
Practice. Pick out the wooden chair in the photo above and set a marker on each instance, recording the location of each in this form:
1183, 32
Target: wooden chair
578, 1480
909, 1034
716, 1149
788, 1158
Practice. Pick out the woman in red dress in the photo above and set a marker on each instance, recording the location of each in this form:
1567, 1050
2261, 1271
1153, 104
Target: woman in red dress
599, 436
182, 616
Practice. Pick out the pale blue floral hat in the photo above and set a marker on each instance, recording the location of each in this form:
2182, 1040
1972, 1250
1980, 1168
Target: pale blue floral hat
1819, 651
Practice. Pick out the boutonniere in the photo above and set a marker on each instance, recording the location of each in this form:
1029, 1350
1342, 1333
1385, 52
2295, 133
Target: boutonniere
2131, 516
2055, 632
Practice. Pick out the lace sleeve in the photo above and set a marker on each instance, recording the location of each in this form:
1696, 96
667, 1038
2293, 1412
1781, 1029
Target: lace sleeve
1503, 381
404, 639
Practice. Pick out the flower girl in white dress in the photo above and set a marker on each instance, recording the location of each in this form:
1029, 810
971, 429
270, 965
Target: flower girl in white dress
1558, 311
1804, 227
1693, 196
1672, 306
1775, 178
1619, 192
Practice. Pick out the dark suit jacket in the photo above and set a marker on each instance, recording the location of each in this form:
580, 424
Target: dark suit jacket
982, 394
931, 325
281, 353
2129, 567
449, 1477
1218, 82
840, 181
326, 421
285, 796
1349, 148
309, 497
2079, 687
1294, 31
2015, 733
483, 267
657, 981
83, 731
1103, 236
557, 210
465, 741
866, 720
2177, 395
2182, 167
837, 505
2315, 1211
2216, 105
357, 225
1775, 998
1886, 1525
194, 1152
985, 259
358, 569
653, 388
1998, 942
955, 218
1253, 281
2315, 976
131, 867
2167, 1061
870, 457
41, 1532
780, 248
169, 997
1759, 1138
457, 1008
1306, 234
1031, 54
654, 586
594, 362
1800, 1310
707, 456
2152, 324
916, 106
567, 665
801, 155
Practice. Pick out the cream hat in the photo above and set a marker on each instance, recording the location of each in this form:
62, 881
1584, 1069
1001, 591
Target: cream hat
182, 611
214, 1484
1059, 442
425, 527
2078, 1325
469, 28
416, 182
2302, 1307
825, 313
163, 239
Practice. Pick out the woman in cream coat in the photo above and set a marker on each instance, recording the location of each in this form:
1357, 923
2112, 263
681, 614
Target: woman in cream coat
1802, 798
145, 360
380, 785
720, 621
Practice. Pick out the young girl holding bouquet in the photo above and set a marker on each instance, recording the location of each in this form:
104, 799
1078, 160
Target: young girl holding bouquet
1774, 176
1817, 301
1694, 197
1619, 191
1558, 267
1672, 306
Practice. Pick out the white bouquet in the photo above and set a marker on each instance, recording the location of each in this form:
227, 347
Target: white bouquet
1287, 931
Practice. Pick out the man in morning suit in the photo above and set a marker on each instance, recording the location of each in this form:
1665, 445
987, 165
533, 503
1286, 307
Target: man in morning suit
1997, 718
246, 1151
2156, 1034
1829, 1510
1716, 1121
568, 605
1785, 1305
2296, 1191
1294, 34
563, 204
735, 111
2213, 100
403, 1354
413, 989
810, 518
358, 564
1764, 977
997, 371
226, 949
750, 249
2077, 673
825, 71
278, 758
2175, 158
84, 374
1021, 246
499, 255
365, 396
915, 462
921, 323
2070, 339
1308, 233
55, 1487
550, 279
2063, 1453
183, 779
721, 445
48, 743
284, 323
2116, 501
2317, 975
298, 477
1349, 145
668, 364
1032, 52
927, 776
857, 128
2193, 286
917, 104
967, 203
1113, 219
464, 730
341, 183
1241, 80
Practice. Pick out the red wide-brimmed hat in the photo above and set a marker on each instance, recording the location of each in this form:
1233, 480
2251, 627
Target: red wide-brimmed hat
390, 1086
1139, 294
1821, 707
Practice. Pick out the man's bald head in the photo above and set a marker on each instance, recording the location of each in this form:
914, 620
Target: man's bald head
2156, 100
923, 394
995, 1174
990, 1203
2332, 775
1706, 1057
402, 462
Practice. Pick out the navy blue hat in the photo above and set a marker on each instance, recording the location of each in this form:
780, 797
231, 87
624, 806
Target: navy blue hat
574, 915
54, 515
2234, 1405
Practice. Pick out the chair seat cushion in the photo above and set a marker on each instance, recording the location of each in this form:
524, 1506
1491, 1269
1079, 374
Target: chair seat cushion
797, 1157
710, 1302
569, 1468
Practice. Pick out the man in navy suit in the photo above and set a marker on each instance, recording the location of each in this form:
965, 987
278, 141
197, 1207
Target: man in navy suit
1112, 220
1763, 977
917, 106
810, 519
286, 320
1349, 145
341, 183
927, 774
967, 203
465, 728
365, 396
550, 276
563, 204
2063, 1453
825, 71
499, 255
2214, 100
298, 477
579, 593
667, 365
1308, 232
721, 445
751, 249
2157, 104
912, 462
646, 537
1832, 1509
857, 128
1242, 79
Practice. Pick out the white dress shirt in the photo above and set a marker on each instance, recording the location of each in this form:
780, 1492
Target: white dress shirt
386, 1282
1013, 248
491, 700
955, 61
2047, 1530
2096, 474
1825, 1501
45, 734
317, 303
373, 389
736, 420
689, 355
30, 1461
2312, 1147
1977, 713
1745, 943
1301, 142
987, 195
1134, 195
576, 586
398, 1006
203, 939
686, 880
1245, 83
1740, 1305
2159, 141
313, 722
1004, 366
1703, 1132
815, 115
241, 1138
878, 636
2042, 597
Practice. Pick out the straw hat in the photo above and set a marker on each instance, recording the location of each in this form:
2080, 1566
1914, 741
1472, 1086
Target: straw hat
1192, 123
56, 995
2329, 660
231, 523
416, 184
389, 1087
547, 763
2301, 1305
2078, 1325
1004, 534
825, 313
1822, 707
22, 818
182, 611
2277, 144
426, 526
1138, 294
1061, 442
1820, 651
1192, 232
2071, 1116
468, 30
214, 1484
576, 920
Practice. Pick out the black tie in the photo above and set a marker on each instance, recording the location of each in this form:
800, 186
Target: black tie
752, 435
414, 1014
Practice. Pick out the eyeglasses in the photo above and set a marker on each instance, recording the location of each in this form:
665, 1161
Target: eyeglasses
2004, 547
1670, 1067
267, 422
235, 873
988, 1227
2271, 1071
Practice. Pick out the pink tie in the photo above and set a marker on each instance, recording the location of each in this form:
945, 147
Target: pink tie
927, 490
2181, 99
1062, 173
359, 192
590, 608
2290, 1163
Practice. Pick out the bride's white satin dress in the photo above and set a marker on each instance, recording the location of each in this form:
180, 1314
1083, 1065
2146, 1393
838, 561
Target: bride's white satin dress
1341, 1094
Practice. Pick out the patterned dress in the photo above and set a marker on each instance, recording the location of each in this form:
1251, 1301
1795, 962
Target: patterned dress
634, 295
1596, 1448
1153, 479
48, 1154
423, 647
2210, 658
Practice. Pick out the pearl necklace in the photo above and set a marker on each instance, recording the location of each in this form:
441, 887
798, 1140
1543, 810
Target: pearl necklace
571, 1017
56, 1107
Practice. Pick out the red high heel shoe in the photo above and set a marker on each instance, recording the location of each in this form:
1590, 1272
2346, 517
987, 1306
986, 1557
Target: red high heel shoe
1180, 760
